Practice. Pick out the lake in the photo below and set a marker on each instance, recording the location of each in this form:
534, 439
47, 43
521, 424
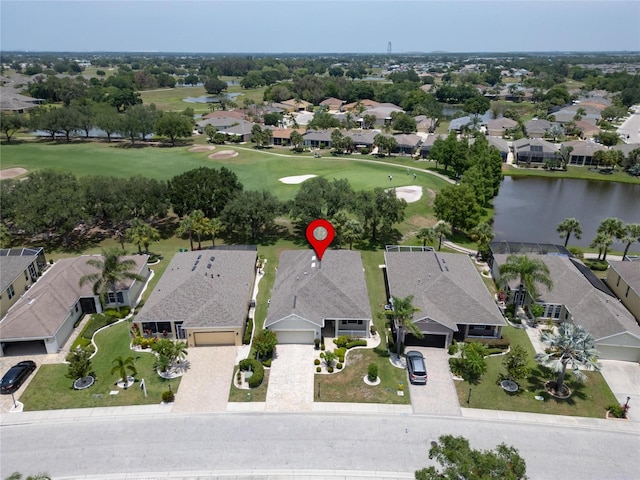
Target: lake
530, 209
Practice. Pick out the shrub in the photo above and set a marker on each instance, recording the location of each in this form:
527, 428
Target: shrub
256, 367
168, 396
322, 346
576, 252
246, 339
381, 352
318, 369
372, 371
112, 312
373, 329
339, 366
537, 310
502, 343
597, 265
617, 411
341, 341
266, 362
357, 343
95, 323
340, 353
264, 342
453, 348
330, 369
316, 361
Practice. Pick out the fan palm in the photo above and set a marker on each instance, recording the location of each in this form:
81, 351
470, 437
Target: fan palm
442, 229
352, 232
482, 234
427, 235
569, 226
571, 346
112, 270
530, 272
123, 365
631, 234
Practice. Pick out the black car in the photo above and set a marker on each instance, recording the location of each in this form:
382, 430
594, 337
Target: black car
16, 376
416, 367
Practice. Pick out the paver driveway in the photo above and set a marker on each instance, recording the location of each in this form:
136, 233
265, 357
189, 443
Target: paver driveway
291, 379
624, 380
205, 386
438, 396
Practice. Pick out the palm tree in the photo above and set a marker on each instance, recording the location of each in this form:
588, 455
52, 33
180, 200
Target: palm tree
602, 242
569, 226
339, 221
530, 272
213, 227
112, 270
186, 228
296, 139
427, 235
442, 229
198, 225
402, 315
352, 232
142, 234
571, 346
121, 366
610, 228
482, 234
631, 234
179, 351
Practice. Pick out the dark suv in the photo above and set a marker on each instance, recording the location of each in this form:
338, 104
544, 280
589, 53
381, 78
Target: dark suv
16, 375
416, 367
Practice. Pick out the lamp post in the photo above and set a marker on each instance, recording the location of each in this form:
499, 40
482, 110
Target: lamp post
469, 398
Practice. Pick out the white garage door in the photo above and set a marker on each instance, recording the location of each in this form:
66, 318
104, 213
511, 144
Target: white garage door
297, 336
207, 339
626, 354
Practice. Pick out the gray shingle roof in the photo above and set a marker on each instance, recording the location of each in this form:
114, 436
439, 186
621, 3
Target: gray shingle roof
601, 314
213, 294
446, 287
13, 265
629, 271
336, 290
42, 310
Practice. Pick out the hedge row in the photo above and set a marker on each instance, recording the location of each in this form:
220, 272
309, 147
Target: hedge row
502, 343
256, 367
356, 343
248, 331
95, 323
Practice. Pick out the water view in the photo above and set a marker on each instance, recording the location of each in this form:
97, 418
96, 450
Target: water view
530, 209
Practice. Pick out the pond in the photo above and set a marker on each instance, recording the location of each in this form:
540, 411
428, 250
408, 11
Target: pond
209, 98
530, 209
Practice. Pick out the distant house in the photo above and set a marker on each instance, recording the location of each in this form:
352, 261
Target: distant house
623, 278
587, 130
237, 114
579, 297
362, 138
365, 103
294, 105
499, 126
317, 139
218, 122
447, 289
427, 143
46, 314
460, 123
382, 112
241, 130
533, 150
281, 136
203, 297
12, 101
332, 104
311, 299
627, 149
19, 270
425, 124
498, 143
408, 143
537, 128
582, 152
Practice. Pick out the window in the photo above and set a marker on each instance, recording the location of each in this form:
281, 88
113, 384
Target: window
26, 275
32, 272
556, 312
11, 292
111, 297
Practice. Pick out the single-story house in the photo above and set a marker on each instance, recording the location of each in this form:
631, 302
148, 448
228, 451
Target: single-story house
460, 123
237, 114
12, 101
587, 129
499, 126
311, 299
365, 103
19, 269
203, 296
408, 143
626, 149
332, 104
317, 139
294, 105
537, 128
46, 314
452, 299
241, 129
362, 138
427, 143
582, 152
382, 112
498, 143
425, 124
281, 136
219, 123
533, 150
579, 297
623, 278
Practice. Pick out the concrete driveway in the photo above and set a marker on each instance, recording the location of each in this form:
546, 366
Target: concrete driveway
624, 380
205, 386
438, 396
291, 379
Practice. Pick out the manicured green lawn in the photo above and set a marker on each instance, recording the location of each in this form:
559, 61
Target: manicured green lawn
589, 399
258, 394
348, 385
573, 172
51, 390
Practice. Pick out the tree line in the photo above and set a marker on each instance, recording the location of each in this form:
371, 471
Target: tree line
209, 202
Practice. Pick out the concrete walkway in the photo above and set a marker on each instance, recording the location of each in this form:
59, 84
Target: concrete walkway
291, 379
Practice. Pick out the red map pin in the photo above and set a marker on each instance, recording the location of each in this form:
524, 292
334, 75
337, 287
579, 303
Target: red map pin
320, 234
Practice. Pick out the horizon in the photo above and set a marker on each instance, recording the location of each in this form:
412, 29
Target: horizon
315, 27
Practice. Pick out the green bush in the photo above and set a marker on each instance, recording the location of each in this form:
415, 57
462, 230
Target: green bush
616, 410
339, 366
597, 265
318, 369
256, 367
356, 343
453, 348
382, 352
112, 312
95, 323
168, 396
316, 361
502, 343
266, 362
341, 341
322, 346
330, 369
576, 252
340, 353
246, 339
372, 371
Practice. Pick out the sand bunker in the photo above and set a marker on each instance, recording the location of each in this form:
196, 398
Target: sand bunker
222, 154
296, 179
202, 148
11, 173
411, 194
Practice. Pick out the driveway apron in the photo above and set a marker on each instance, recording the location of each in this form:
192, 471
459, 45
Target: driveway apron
291, 379
205, 386
438, 396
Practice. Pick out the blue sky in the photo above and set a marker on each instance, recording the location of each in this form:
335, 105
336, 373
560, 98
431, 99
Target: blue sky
314, 26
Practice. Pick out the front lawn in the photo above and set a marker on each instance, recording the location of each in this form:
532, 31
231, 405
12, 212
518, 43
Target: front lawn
589, 399
348, 385
258, 394
51, 390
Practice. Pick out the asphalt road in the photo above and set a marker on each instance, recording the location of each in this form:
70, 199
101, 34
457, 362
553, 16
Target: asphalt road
630, 129
222, 442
